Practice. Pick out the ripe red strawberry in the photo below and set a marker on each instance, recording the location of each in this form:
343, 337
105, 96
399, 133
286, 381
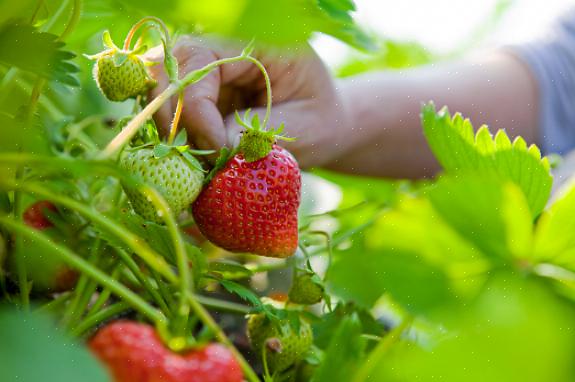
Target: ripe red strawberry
251, 204
133, 352
47, 273
35, 215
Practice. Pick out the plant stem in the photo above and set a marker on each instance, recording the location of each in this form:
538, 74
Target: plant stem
54, 304
74, 19
83, 266
98, 317
268, 88
375, 357
82, 288
137, 244
163, 288
104, 294
222, 305
19, 247
138, 25
208, 320
176, 120
185, 277
133, 267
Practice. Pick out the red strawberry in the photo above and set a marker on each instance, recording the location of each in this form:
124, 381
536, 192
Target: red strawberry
47, 272
134, 352
35, 215
252, 206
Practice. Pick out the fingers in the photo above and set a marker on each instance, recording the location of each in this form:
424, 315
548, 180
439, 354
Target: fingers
164, 115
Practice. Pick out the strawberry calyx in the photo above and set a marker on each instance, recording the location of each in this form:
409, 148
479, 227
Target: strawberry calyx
162, 149
119, 55
257, 142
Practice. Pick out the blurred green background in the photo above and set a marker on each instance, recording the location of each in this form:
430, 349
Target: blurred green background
476, 318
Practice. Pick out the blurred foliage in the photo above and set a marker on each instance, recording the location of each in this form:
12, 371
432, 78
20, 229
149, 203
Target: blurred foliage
32, 349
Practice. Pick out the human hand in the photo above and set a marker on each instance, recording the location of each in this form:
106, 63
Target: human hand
304, 98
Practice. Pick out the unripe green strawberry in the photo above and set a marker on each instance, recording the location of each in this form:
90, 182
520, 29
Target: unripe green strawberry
172, 174
307, 289
284, 344
121, 74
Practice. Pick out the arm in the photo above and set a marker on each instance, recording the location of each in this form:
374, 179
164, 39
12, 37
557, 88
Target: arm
385, 137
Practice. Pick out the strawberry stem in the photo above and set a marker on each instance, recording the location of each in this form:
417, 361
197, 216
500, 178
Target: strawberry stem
268, 89
176, 120
139, 24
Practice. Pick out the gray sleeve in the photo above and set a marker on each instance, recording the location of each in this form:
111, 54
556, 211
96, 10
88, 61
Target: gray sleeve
552, 62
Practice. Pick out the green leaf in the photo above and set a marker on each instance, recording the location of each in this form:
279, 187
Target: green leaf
225, 155
555, 231
344, 353
192, 160
119, 59
514, 331
161, 150
242, 291
181, 138
26, 48
33, 350
229, 269
477, 208
458, 149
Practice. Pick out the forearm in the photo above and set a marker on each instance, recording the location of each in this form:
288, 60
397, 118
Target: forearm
384, 135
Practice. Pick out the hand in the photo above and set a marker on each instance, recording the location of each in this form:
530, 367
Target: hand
304, 98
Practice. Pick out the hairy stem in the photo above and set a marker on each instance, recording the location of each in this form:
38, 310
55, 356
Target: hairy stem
268, 88
139, 24
176, 120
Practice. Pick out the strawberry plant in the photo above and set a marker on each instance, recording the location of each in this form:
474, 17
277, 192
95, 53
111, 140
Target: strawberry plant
125, 255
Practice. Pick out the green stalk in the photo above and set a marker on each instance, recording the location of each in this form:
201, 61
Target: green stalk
19, 247
268, 88
104, 295
163, 289
133, 267
137, 244
54, 304
82, 288
376, 356
209, 321
83, 266
185, 277
98, 317
223, 305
